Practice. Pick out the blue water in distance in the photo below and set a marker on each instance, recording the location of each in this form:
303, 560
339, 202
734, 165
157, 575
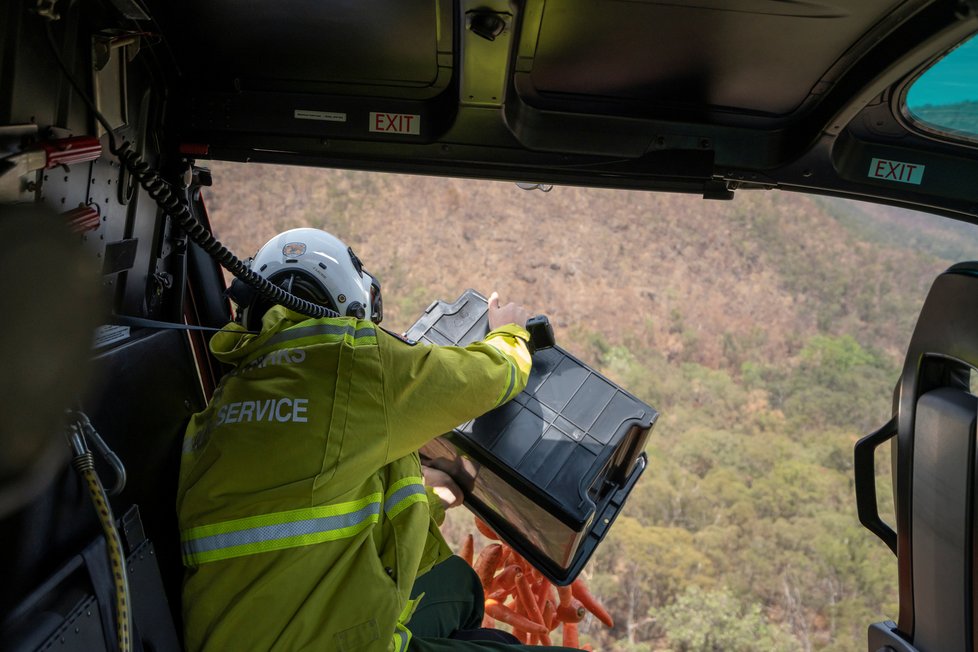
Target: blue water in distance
951, 80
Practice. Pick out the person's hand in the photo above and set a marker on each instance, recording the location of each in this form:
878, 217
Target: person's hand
511, 313
443, 486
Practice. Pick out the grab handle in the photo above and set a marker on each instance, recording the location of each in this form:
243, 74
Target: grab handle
865, 476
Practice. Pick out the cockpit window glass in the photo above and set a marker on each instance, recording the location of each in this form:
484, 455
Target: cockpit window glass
944, 99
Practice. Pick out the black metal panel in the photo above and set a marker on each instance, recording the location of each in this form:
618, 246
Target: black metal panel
149, 388
72, 609
146, 389
759, 56
371, 42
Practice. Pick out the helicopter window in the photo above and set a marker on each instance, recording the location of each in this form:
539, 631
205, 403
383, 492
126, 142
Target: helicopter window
944, 99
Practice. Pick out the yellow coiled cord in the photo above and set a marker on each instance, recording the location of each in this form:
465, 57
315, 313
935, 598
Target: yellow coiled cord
85, 465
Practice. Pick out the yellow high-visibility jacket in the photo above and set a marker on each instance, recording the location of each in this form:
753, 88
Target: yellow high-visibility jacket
304, 521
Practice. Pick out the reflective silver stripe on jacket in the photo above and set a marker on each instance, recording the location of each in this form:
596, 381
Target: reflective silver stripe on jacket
395, 500
279, 530
319, 330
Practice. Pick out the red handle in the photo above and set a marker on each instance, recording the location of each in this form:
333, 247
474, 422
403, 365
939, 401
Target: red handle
66, 151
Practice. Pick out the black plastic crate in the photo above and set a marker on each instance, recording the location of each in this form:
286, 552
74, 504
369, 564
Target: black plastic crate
551, 469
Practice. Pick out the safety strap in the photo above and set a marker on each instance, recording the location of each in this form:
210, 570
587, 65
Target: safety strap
140, 322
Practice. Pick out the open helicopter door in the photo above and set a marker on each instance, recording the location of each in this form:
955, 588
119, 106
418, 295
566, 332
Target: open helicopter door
934, 466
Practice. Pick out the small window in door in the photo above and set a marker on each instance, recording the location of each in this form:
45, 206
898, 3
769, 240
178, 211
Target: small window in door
944, 99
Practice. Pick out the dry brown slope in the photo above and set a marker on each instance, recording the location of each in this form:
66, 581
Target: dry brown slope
693, 279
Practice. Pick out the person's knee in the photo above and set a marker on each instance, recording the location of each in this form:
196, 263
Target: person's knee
464, 573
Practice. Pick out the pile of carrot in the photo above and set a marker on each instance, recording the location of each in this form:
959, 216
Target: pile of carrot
519, 596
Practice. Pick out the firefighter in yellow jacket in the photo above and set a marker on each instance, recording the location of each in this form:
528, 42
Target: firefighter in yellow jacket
305, 521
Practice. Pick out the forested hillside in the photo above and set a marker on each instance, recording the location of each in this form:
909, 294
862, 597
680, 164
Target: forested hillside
767, 330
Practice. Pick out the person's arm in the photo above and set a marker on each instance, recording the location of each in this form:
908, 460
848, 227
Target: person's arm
428, 390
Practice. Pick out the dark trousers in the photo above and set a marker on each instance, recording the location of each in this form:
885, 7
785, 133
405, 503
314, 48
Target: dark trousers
449, 617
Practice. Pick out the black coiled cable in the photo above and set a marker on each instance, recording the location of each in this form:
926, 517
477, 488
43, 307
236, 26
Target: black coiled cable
175, 208
172, 206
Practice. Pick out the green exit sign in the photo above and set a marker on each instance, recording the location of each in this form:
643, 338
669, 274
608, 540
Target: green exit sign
900, 171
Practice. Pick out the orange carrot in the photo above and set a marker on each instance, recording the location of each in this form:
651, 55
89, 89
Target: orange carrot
542, 591
520, 607
485, 565
499, 594
467, 549
571, 612
528, 601
550, 616
506, 579
504, 614
488, 622
590, 602
540, 639
570, 635
565, 593
486, 531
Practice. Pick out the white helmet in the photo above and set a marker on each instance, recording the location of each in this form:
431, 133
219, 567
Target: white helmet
317, 266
